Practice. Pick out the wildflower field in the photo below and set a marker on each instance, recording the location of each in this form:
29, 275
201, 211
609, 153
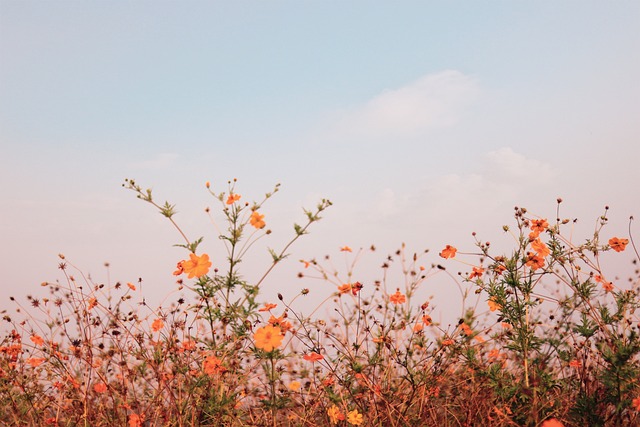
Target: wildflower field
554, 342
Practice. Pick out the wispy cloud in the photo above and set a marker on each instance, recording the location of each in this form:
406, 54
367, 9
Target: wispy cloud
503, 176
432, 101
158, 162
460, 202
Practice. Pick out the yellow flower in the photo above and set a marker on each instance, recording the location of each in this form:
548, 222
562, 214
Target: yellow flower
344, 289
257, 220
334, 414
294, 385
354, 418
493, 305
268, 337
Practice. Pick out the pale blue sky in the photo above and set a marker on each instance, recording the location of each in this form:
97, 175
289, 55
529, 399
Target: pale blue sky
422, 121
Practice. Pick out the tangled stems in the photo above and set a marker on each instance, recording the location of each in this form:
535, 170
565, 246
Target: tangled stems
238, 216
545, 337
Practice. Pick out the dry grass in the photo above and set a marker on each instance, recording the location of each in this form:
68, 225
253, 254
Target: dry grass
98, 355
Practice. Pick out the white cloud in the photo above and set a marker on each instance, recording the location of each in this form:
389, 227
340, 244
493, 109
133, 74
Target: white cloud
503, 176
506, 164
433, 101
159, 161
460, 202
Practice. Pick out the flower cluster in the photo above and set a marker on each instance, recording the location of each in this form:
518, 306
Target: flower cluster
543, 336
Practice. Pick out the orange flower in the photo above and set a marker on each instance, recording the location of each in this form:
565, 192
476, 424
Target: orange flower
345, 249
92, 303
131, 286
344, 289
447, 342
328, 381
607, 286
35, 361
636, 403
179, 269
37, 339
257, 220
539, 246
448, 252
493, 305
617, 244
188, 345
334, 414
426, 319
294, 385
476, 272
268, 337
466, 329
354, 417
499, 269
575, 363
398, 298
196, 266
494, 354
233, 198
135, 420
534, 261
212, 365
284, 325
268, 306
552, 422
418, 327
100, 387
539, 225
313, 357
157, 325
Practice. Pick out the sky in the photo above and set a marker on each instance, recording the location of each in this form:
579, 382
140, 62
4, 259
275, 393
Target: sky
422, 121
